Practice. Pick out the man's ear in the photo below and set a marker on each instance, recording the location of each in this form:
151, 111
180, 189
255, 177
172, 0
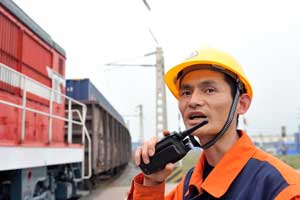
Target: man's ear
243, 104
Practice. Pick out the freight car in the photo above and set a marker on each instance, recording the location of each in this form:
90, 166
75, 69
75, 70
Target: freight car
37, 160
111, 141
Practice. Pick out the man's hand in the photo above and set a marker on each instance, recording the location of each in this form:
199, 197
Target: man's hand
146, 151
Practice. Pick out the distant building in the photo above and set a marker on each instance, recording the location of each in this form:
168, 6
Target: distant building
297, 140
276, 144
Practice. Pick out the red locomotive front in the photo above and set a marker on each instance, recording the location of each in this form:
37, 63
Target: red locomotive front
39, 159
32, 71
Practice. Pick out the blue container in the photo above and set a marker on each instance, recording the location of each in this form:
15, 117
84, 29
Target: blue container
84, 90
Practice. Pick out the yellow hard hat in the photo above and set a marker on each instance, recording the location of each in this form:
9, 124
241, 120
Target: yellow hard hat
210, 56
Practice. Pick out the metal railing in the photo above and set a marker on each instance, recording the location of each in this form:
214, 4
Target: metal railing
14, 78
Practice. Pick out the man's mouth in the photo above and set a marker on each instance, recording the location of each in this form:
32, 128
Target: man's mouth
196, 116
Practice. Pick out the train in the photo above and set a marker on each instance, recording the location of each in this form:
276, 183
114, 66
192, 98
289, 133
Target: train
111, 140
51, 140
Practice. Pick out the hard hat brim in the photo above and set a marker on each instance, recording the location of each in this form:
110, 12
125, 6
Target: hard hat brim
171, 75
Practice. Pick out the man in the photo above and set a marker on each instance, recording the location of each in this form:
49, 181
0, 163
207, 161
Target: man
211, 84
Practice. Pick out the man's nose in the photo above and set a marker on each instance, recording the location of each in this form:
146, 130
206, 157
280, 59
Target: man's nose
196, 100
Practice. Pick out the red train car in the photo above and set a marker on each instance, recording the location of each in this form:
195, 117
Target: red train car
38, 159
27, 49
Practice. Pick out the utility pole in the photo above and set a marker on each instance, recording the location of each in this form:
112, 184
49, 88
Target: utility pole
140, 115
161, 106
160, 103
179, 121
141, 139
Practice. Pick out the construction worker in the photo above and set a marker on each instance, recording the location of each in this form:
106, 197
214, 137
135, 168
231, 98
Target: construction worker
211, 84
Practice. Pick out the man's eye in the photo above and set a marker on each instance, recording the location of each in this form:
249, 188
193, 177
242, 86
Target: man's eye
185, 93
210, 90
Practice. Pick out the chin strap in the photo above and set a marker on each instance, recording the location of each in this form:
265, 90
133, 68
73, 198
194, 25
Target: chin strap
225, 127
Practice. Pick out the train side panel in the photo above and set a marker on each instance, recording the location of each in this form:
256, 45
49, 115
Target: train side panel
111, 141
27, 49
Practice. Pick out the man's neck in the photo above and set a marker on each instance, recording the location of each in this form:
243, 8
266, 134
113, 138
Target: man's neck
218, 150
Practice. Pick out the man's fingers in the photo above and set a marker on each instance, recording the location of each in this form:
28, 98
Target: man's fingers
151, 146
145, 151
145, 155
137, 156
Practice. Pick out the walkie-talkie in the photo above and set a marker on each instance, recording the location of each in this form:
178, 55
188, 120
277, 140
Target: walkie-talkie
170, 149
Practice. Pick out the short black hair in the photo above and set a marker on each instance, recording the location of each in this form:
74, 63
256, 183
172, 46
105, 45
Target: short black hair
232, 83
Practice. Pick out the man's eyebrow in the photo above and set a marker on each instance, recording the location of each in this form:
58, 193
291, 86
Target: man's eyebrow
201, 84
185, 86
207, 83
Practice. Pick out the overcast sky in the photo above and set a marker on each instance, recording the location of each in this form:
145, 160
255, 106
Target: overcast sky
263, 35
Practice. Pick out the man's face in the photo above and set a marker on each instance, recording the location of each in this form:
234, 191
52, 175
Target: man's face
205, 94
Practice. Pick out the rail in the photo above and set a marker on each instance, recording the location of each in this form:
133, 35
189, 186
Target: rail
13, 78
